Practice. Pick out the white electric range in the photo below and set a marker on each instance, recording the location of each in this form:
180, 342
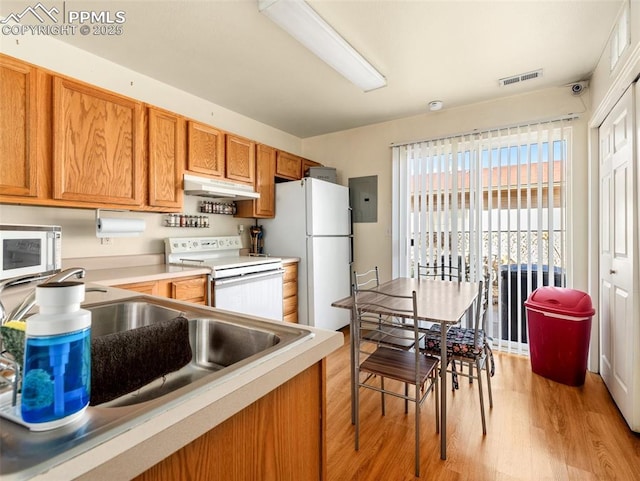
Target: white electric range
245, 284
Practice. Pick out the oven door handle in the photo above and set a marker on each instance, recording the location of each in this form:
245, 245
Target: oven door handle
247, 277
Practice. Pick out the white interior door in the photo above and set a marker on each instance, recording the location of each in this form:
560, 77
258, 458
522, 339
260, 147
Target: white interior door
618, 325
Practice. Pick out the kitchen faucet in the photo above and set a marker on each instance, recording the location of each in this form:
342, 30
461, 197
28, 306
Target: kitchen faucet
29, 301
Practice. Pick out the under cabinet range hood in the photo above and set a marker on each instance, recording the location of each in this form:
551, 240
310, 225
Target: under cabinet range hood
217, 189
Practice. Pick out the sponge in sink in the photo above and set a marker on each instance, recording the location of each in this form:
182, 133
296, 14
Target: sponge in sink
125, 361
13, 339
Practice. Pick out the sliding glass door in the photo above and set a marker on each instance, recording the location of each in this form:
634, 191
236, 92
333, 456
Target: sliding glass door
486, 202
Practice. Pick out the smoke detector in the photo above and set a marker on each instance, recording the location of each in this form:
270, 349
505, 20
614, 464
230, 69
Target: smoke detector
435, 105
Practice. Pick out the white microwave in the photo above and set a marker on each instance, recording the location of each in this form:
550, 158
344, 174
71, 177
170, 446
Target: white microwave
30, 249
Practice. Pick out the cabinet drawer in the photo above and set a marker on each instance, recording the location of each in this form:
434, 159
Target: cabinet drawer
289, 289
150, 287
290, 272
290, 304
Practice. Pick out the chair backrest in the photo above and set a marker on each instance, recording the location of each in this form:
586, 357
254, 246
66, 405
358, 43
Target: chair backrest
481, 307
378, 312
442, 271
366, 280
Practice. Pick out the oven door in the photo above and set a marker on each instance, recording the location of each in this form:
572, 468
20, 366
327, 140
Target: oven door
253, 294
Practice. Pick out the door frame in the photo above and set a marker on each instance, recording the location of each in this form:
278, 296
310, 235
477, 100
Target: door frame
627, 74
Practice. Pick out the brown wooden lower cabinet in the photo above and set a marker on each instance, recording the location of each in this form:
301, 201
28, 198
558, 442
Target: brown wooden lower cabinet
290, 292
280, 437
191, 289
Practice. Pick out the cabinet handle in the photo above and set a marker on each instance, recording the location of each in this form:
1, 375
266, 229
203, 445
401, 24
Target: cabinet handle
613, 271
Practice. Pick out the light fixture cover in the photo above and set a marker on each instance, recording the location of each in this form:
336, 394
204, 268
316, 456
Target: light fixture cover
300, 21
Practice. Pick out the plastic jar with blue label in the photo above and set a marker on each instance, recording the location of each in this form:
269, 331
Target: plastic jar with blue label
56, 381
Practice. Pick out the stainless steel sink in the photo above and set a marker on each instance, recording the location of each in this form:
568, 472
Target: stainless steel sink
222, 344
122, 316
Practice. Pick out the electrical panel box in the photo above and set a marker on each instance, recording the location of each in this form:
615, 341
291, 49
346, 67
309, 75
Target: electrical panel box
363, 197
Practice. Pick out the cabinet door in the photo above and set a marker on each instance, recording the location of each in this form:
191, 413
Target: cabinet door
205, 153
18, 128
192, 289
288, 166
281, 436
306, 163
98, 145
265, 206
166, 153
240, 159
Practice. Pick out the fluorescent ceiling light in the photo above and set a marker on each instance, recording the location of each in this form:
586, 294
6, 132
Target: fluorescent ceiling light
298, 19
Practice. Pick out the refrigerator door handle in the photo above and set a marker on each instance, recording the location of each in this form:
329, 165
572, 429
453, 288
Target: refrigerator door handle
350, 209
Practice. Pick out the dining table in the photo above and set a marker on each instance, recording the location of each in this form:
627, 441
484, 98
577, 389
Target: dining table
438, 301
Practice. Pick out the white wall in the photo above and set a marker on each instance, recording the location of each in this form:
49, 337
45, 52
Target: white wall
78, 225
366, 151
79, 228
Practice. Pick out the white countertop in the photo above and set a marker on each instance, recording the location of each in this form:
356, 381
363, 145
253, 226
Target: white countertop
130, 275
143, 444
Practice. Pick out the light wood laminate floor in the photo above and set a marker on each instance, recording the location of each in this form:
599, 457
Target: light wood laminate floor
537, 430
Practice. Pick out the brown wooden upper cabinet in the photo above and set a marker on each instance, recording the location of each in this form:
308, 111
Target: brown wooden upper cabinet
166, 154
19, 128
240, 159
288, 166
205, 151
306, 163
265, 206
98, 145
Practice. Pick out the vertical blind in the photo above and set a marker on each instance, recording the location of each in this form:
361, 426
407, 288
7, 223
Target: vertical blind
490, 202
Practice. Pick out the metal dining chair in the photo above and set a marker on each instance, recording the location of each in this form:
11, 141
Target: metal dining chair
442, 271
468, 346
391, 335
375, 312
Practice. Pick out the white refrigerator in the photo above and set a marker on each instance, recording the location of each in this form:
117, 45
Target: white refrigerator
313, 222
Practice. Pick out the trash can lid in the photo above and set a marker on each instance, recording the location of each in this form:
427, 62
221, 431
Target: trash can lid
561, 300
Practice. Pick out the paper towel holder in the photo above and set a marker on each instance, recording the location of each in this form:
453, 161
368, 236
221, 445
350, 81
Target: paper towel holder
118, 227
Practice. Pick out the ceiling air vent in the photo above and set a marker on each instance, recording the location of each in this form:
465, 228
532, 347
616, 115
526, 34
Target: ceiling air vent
520, 78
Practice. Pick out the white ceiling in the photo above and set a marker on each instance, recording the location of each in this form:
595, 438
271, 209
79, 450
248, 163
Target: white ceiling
454, 51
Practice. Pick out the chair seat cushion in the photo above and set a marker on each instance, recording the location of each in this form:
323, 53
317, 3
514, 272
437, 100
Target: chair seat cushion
460, 342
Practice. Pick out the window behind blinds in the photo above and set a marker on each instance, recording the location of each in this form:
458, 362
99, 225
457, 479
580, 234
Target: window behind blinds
487, 202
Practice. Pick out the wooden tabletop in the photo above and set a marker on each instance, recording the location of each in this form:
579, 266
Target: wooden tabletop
439, 301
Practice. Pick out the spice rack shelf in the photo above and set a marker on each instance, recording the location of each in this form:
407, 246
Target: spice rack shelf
211, 207
186, 221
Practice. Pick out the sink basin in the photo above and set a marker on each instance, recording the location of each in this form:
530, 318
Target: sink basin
222, 344
216, 344
122, 316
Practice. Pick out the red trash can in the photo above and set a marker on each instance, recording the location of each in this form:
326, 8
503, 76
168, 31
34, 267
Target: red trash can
559, 324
